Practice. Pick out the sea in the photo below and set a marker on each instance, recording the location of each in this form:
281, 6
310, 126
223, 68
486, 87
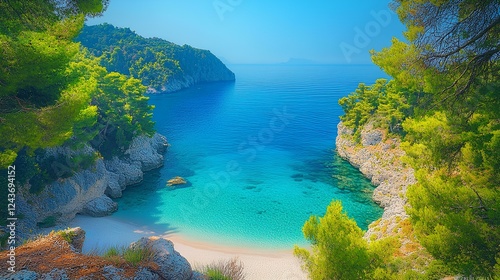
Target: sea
258, 155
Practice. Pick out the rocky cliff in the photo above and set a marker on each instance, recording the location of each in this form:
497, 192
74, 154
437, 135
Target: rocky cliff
89, 191
161, 65
379, 159
58, 256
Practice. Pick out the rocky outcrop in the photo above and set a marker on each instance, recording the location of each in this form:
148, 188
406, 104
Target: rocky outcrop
89, 191
100, 207
175, 67
75, 238
379, 159
172, 264
41, 259
147, 151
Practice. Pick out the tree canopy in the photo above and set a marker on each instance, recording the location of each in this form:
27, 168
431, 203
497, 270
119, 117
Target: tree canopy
443, 101
152, 60
53, 91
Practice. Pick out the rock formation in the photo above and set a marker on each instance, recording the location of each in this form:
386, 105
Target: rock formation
56, 256
176, 181
161, 65
379, 159
171, 264
89, 191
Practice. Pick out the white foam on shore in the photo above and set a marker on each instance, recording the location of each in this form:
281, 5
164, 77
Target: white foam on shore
105, 232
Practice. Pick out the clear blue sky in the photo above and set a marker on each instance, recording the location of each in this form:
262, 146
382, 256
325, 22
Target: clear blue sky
260, 31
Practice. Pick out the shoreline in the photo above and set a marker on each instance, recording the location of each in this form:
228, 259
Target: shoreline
104, 232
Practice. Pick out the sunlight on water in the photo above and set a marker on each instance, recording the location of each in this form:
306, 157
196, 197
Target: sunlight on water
258, 155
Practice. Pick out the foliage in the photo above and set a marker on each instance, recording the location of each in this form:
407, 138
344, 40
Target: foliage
232, 269
131, 255
446, 79
214, 274
136, 256
112, 252
55, 93
382, 101
123, 112
455, 204
339, 250
153, 61
43, 96
67, 235
42, 92
39, 15
453, 145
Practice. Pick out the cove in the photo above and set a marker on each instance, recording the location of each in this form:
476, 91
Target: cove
258, 155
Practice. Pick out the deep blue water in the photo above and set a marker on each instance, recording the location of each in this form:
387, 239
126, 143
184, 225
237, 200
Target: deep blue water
258, 154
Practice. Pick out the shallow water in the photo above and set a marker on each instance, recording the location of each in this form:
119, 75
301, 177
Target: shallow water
258, 155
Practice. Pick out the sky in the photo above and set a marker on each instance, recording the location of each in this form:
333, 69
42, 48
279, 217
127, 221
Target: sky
264, 31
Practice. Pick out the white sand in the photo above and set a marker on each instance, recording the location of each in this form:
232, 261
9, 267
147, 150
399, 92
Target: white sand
259, 264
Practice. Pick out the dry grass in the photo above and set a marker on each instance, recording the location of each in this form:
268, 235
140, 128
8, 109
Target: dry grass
52, 251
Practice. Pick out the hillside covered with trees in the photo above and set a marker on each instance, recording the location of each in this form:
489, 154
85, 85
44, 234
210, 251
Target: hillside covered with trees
159, 64
443, 102
54, 92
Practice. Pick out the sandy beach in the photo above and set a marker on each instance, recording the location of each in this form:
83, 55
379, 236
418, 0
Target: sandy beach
259, 264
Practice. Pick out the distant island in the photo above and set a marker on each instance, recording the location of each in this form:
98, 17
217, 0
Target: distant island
161, 65
299, 61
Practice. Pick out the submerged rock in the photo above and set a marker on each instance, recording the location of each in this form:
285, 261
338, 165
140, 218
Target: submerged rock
176, 181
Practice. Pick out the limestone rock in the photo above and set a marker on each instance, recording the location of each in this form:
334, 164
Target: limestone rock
171, 264
129, 173
159, 143
380, 161
113, 189
77, 238
176, 181
22, 275
100, 207
198, 276
147, 151
66, 197
55, 274
145, 274
112, 273
371, 136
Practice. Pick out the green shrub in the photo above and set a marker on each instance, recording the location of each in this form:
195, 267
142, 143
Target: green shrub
67, 235
137, 255
224, 270
133, 256
215, 274
112, 252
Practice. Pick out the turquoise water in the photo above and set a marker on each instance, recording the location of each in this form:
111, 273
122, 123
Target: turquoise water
258, 155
